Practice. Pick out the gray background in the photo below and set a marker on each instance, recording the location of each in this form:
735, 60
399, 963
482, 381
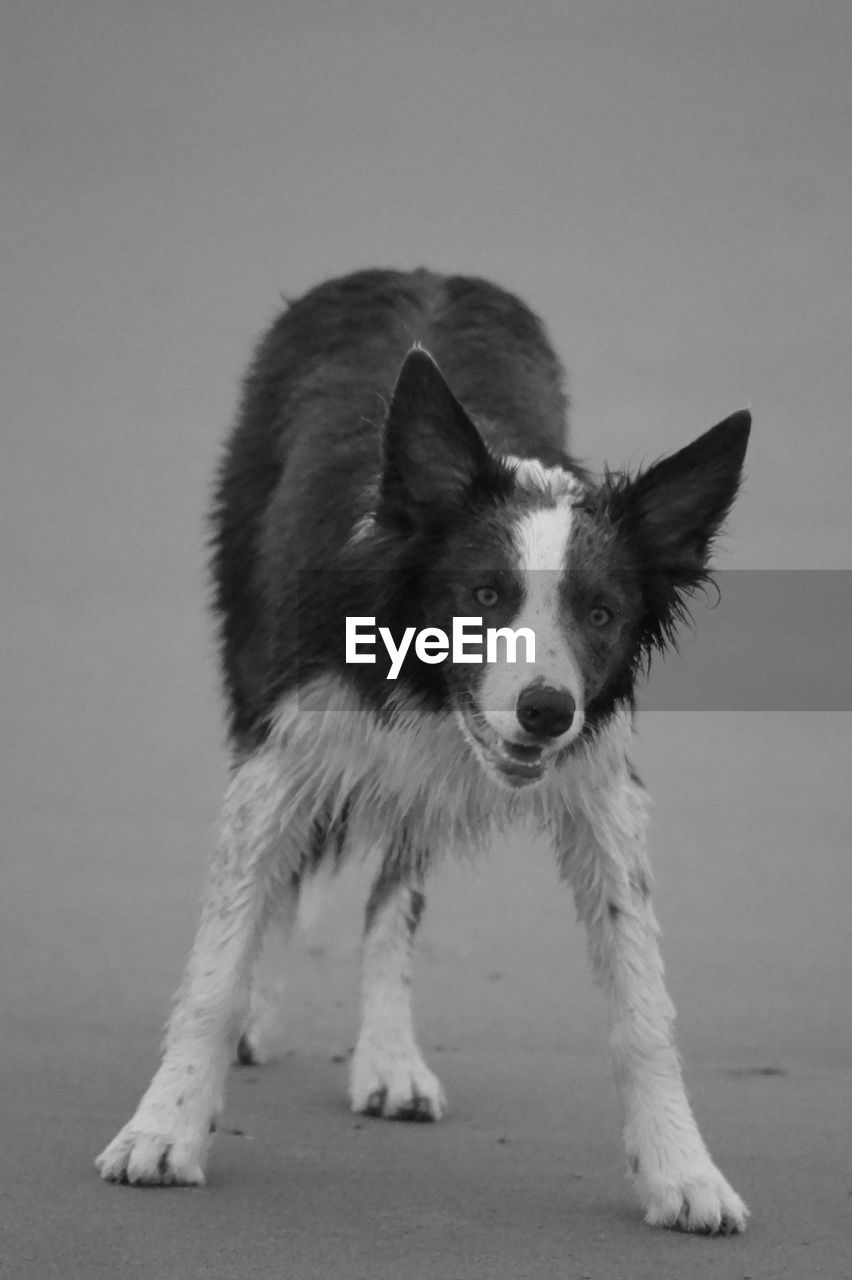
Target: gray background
669, 185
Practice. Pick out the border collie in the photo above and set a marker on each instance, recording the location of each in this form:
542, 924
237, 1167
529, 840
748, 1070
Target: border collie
400, 459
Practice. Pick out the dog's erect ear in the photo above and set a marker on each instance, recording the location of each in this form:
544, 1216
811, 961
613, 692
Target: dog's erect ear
434, 457
676, 507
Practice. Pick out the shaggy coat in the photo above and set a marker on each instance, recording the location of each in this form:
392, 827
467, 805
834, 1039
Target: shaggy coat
401, 458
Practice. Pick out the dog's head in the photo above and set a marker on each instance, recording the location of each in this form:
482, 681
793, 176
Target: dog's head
597, 571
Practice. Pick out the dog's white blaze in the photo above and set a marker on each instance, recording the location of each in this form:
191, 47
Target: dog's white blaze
550, 482
542, 538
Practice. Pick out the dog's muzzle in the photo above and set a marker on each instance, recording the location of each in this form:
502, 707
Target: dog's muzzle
543, 714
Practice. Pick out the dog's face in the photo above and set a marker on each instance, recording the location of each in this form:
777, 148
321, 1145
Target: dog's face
596, 572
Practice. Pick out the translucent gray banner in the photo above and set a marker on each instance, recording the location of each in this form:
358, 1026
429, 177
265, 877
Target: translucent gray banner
771, 640
760, 640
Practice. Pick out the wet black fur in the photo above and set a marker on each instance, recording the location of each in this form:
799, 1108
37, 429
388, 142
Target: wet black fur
323, 438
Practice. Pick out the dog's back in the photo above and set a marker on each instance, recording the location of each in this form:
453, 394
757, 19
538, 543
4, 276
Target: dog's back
306, 452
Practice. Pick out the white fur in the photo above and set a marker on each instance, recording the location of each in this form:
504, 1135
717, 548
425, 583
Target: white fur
388, 1075
262, 1034
325, 749
604, 859
542, 538
166, 1140
550, 482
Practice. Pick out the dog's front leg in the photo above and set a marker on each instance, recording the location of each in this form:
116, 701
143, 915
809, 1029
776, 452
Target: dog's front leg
166, 1141
603, 857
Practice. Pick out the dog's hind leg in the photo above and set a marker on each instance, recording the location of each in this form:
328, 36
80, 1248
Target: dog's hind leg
258, 1041
602, 853
261, 1034
257, 854
388, 1075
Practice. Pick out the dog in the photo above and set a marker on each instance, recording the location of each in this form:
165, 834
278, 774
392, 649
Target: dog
398, 473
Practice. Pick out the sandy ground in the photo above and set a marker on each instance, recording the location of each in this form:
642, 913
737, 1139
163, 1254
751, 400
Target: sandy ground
669, 185
524, 1177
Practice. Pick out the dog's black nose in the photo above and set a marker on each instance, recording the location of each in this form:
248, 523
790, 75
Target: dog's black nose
545, 711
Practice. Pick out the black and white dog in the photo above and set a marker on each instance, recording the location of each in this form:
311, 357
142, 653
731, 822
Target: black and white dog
398, 476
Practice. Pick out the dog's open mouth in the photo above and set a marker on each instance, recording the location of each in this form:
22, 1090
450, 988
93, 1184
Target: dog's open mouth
518, 763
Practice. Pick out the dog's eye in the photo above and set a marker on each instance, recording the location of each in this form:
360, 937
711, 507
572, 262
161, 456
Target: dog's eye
486, 596
600, 616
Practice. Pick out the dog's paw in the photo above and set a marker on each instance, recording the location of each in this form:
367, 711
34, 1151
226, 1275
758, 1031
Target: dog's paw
147, 1159
261, 1039
251, 1051
698, 1200
396, 1085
